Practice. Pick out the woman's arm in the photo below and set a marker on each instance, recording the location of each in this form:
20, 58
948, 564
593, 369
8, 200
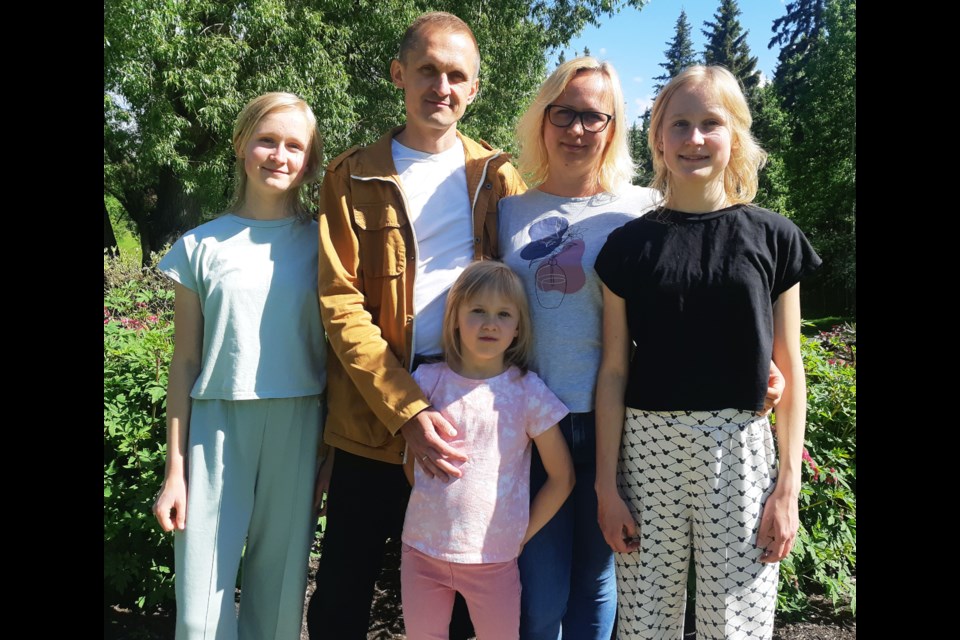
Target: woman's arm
170, 507
616, 521
780, 519
560, 479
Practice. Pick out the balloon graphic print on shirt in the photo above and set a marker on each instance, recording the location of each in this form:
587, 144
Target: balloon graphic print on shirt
557, 254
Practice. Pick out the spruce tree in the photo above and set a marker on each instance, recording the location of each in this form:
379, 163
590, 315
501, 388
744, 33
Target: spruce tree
640, 151
797, 33
680, 54
727, 45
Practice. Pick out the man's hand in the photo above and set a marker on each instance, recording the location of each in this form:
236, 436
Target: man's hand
425, 433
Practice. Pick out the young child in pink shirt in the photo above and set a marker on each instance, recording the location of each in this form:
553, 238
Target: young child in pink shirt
464, 534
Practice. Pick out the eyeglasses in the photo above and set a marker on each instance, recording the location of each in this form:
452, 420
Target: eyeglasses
563, 117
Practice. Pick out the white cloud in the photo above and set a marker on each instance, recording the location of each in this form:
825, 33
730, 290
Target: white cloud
603, 51
638, 78
643, 103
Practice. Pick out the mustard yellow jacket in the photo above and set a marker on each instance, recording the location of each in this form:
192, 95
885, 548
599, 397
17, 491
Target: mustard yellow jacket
367, 267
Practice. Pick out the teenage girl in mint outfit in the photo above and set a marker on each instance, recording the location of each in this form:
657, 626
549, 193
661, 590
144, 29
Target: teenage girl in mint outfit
707, 289
244, 401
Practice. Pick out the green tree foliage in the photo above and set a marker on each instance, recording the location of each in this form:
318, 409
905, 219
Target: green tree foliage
727, 45
771, 128
175, 76
822, 158
679, 53
797, 33
177, 73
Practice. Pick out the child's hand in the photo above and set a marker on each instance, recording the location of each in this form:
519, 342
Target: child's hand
617, 524
424, 434
170, 507
778, 526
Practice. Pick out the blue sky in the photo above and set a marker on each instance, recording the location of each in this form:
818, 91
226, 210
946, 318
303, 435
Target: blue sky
634, 41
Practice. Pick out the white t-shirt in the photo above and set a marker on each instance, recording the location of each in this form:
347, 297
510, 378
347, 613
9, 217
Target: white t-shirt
257, 283
438, 205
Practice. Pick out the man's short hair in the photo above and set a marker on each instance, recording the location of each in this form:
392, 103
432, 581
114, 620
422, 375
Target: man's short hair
435, 20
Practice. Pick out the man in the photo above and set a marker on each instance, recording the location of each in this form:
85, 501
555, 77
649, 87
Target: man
400, 219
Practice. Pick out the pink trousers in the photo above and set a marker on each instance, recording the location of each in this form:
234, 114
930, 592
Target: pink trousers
428, 587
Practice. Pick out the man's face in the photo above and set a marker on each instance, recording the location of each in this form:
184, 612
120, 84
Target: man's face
438, 78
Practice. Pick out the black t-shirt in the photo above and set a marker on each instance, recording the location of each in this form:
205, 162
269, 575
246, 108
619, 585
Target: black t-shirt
699, 292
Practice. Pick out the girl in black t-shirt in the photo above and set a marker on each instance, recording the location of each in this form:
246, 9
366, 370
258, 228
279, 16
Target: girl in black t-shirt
707, 288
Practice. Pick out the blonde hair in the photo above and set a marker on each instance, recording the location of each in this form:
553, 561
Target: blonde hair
247, 122
616, 166
477, 278
746, 156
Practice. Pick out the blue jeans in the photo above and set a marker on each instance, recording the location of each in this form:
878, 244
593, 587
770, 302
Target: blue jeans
567, 570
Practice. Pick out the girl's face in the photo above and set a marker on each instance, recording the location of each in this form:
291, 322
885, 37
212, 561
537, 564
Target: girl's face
695, 138
487, 323
275, 156
572, 148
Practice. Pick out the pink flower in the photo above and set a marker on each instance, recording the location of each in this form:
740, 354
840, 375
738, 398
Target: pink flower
132, 323
810, 463
152, 319
141, 305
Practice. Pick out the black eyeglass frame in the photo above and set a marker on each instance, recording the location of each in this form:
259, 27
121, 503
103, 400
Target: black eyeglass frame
577, 114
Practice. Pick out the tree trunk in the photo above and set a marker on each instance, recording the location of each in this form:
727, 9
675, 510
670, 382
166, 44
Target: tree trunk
176, 212
109, 238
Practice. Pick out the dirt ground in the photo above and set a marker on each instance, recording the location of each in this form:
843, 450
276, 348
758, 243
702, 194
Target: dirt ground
386, 621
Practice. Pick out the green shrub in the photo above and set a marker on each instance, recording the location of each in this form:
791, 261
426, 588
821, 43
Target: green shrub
824, 560
137, 346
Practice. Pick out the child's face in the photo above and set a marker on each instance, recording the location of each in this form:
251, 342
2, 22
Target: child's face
695, 138
275, 156
488, 323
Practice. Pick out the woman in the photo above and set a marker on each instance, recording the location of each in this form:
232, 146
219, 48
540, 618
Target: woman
574, 153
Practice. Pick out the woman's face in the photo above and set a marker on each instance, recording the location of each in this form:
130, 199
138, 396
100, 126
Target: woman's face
275, 156
573, 150
695, 138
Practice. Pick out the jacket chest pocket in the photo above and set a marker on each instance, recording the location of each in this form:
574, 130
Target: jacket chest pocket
383, 252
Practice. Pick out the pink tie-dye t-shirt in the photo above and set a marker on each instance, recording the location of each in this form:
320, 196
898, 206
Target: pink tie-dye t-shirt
481, 516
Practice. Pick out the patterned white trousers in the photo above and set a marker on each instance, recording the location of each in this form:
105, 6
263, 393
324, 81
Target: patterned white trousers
696, 480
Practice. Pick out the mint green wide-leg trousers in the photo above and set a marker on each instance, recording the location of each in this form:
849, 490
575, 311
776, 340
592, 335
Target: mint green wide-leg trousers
250, 476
